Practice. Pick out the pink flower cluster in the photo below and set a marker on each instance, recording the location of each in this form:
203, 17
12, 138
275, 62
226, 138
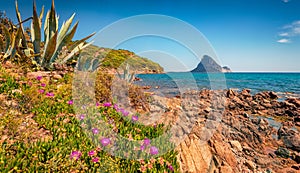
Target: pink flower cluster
41, 91
92, 154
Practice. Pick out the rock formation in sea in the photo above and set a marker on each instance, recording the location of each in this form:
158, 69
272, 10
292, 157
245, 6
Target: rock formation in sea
209, 65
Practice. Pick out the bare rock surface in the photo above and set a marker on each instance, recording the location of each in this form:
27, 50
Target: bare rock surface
230, 131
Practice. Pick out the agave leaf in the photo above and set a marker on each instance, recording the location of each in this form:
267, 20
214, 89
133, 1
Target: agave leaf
87, 63
80, 63
36, 34
52, 21
46, 28
64, 29
57, 18
74, 51
24, 42
78, 42
15, 42
50, 26
41, 16
1, 44
12, 47
95, 64
126, 71
67, 38
7, 36
49, 50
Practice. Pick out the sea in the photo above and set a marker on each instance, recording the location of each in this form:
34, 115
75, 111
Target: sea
175, 83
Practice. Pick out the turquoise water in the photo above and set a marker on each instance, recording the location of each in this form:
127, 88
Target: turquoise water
171, 84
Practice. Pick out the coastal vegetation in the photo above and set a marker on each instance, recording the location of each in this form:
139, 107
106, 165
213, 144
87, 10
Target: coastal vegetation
39, 128
118, 59
43, 128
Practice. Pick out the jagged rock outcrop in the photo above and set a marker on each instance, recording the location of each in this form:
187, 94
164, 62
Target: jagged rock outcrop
230, 134
209, 65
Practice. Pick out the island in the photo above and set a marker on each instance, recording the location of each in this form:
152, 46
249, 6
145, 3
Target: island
209, 65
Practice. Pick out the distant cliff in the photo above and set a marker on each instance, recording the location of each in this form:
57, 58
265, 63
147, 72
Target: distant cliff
209, 65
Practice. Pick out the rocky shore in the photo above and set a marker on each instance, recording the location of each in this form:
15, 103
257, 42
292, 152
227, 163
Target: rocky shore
229, 131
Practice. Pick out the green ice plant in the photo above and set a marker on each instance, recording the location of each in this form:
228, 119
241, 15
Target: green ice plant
54, 41
127, 76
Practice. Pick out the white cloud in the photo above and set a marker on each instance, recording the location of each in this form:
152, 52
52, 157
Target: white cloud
296, 30
283, 40
289, 31
292, 29
286, 1
284, 34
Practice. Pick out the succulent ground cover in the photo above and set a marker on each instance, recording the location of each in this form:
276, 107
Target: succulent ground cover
40, 131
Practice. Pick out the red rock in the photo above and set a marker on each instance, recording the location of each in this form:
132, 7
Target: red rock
250, 165
293, 142
231, 93
246, 93
294, 101
226, 169
273, 95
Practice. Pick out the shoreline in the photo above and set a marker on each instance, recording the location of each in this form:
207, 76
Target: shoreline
222, 130
234, 127
282, 96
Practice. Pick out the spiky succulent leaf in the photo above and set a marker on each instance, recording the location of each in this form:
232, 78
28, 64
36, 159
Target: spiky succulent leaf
46, 27
95, 64
50, 26
80, 63
52, 22
86, 63
36, 33
41, 16
66, 39
1, 44
16, 40
24, 42
127, 76
7, 37
64, 29
78, 42
74, 51
49, 50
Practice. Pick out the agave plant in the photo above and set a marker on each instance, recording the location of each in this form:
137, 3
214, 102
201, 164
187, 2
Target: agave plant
12, 40
87, 63
23, 39
127, 76
54, 40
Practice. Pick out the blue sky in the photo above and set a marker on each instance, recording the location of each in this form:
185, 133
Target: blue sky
247, 35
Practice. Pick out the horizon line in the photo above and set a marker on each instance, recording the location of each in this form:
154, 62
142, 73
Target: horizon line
238, 72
